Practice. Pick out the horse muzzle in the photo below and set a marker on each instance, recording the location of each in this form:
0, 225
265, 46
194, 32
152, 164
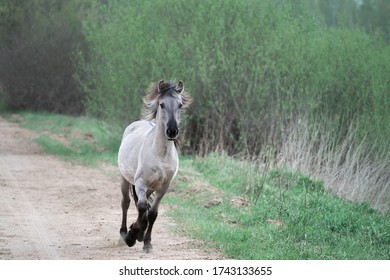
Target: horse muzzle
172, 133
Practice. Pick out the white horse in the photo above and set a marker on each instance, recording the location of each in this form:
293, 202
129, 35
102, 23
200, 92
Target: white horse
148, 159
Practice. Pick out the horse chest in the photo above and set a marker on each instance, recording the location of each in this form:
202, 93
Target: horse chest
158, 175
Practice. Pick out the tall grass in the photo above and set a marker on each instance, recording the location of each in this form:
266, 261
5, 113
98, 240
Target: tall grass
351, 168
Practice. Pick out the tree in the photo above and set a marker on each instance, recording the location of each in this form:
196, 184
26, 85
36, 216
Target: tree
36, 67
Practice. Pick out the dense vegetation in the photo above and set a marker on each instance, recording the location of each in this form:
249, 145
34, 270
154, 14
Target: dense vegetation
37, 42
302, 85
254, 66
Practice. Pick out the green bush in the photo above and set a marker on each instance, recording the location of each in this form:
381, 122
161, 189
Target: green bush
252, 67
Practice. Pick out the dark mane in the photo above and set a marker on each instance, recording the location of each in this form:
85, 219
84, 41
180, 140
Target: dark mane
168, 88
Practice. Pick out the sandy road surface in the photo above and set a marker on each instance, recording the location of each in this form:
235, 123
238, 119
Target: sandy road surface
53, 209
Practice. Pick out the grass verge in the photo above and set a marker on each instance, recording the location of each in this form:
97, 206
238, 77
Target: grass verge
291, 216
82, 139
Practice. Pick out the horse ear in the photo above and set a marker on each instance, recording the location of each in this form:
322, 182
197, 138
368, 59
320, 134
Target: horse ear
160, 86
180, 86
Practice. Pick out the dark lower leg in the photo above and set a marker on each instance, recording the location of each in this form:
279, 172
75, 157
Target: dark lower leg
125, 205
138, 228
148, 236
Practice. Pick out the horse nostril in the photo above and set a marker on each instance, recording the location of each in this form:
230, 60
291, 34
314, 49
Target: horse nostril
172, 133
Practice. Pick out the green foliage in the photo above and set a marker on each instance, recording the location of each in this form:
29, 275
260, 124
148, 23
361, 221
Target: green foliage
373, 17
252, 66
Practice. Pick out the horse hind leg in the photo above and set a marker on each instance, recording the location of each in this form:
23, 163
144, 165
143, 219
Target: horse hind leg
125, 203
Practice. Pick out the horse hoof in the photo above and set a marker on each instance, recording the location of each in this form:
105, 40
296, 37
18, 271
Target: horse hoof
130, 242
140, 236
123, 232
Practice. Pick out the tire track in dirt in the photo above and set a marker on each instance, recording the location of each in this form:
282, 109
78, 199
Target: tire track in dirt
54, 209
24, 213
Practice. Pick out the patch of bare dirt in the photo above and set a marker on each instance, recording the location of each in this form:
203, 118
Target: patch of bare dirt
53, 209
205, 194
208, 195
239, 202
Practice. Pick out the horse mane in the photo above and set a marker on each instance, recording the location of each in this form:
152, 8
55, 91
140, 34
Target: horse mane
152, 96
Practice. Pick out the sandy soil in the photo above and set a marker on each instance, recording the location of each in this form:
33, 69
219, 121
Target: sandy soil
54, 209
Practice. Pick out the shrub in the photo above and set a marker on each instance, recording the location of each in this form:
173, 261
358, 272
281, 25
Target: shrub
37, 70
252, 67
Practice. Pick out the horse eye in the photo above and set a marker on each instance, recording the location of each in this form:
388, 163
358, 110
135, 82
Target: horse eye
180, 105
162, 105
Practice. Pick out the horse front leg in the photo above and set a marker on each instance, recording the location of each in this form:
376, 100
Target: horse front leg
137, 229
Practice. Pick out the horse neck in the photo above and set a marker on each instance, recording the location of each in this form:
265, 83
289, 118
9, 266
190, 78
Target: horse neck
161, 146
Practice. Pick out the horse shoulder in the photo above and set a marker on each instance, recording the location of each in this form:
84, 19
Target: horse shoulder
130, 148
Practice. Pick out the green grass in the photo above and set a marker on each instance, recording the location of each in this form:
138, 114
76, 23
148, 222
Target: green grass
279, 215
76, 138
293, 217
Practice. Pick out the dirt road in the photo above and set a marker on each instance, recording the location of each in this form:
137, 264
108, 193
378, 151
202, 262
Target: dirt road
54, 209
